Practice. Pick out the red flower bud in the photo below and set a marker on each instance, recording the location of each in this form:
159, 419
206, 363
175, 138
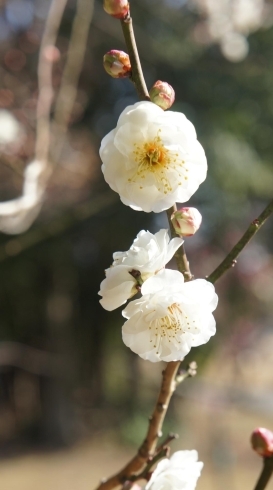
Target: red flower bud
117, 8
186, 221
262, 442
162, 94
117, 64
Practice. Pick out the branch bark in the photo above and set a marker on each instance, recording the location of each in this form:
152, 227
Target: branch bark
137, 74
230, 259
148, 447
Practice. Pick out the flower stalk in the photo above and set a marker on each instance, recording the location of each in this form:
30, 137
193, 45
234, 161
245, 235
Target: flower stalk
265, 474
180, 255
137, 74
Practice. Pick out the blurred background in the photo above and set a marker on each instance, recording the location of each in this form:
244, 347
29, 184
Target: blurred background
74, 402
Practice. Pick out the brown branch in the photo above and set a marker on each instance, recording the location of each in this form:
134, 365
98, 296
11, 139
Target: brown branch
180, 255
137, 74
148, 447
230, 259
145, 474
265, 474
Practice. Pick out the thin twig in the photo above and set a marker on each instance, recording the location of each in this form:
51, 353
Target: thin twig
137, 74
180, 255
265, 474
148, 447
170, 437
68, 89
230, 259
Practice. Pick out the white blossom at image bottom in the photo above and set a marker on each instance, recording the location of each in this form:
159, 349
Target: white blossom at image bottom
147, 255
180, 472
170, 318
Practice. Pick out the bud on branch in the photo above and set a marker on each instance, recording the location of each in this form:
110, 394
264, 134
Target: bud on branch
162, 94
117, 8
117, 64
186, 221
262, 442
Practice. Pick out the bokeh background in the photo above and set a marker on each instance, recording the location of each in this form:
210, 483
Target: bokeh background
74, 402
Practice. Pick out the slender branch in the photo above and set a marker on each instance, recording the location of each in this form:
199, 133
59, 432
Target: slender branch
265, 474
148, 447
230, 259
137, 74
180, 255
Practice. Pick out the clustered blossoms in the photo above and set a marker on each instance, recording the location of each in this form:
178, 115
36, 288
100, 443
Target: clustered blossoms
152, 158
171, 316
180, 472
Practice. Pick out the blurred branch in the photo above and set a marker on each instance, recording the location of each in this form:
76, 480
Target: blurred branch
180, 255
137, 74
45, 79
68, 89
32, 360
230, 259
148, 447
56, 226
265, 474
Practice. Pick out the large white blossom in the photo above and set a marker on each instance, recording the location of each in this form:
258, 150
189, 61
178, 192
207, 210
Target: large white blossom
152, 158
148, 254
180, 472
171, 317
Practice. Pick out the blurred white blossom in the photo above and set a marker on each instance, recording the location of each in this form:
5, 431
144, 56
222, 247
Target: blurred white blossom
170, 318
148, 254
180, 472
18, 214
229, 22
152, 158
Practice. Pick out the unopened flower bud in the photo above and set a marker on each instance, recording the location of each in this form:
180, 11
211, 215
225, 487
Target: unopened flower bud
186, 221
117, 64
117, 8
262, 442
162, 94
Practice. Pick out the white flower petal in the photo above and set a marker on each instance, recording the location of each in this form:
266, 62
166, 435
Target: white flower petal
147, 256
180, 472
176, 316
153, 159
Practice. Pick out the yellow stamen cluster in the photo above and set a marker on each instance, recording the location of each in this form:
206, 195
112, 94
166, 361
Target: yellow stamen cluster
167, 327
153, 158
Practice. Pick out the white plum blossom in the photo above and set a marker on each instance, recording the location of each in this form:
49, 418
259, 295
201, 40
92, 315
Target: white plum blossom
148, 254
171, 317
180, 472
152, 158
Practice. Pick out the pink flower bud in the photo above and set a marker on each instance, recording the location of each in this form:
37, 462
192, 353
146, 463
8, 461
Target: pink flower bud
186, 221
162, 94
117, 8
117, 64
262, 441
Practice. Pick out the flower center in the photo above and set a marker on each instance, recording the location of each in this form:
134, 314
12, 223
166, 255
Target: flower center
154, 159
167, 327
